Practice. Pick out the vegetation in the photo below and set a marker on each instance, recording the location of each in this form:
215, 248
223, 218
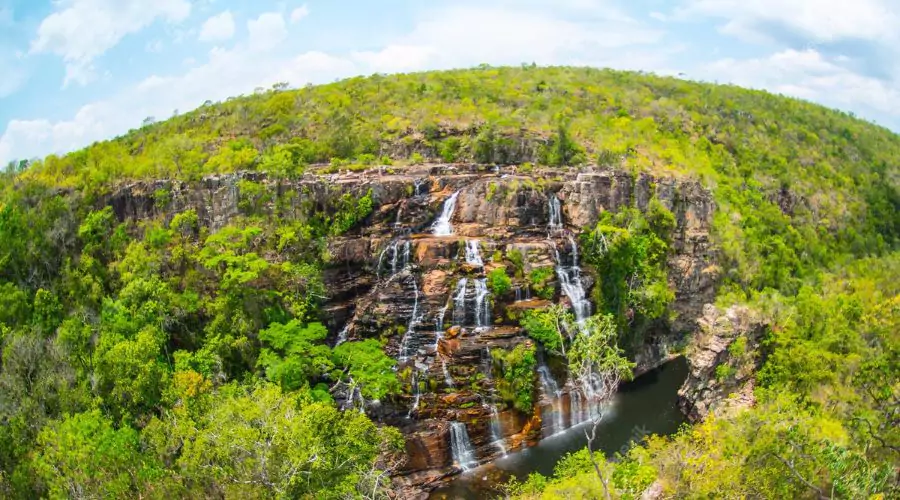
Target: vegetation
628, 251
172, 357
516, 370
498, 281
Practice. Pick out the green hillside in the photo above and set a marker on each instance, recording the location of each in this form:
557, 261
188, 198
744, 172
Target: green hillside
146, 359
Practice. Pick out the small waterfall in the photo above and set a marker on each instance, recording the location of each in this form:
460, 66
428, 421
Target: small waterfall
411, 327
399, 253
439, 326
459, 302
397, 222
551, 390
419, 183
343, 334
461, 447
556, 224
416, 392
482, 304
570, 281
497, 430
448, 380
496, 425
442, 226
473, 253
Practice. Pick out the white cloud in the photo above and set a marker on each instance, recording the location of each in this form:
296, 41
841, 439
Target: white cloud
299, 14
807, 74
817, 20
218, 28
267, 31
79, 31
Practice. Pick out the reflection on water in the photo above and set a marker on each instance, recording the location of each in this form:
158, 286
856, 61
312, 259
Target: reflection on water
646, 406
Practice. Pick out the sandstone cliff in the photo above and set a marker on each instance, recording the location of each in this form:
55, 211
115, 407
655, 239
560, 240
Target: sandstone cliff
392, 278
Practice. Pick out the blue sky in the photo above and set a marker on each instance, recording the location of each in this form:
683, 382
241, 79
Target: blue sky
76, 71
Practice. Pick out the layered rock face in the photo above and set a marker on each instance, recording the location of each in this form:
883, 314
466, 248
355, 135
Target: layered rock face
723, 359
415, 275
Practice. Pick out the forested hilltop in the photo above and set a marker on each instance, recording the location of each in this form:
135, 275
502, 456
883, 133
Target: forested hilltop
174, 356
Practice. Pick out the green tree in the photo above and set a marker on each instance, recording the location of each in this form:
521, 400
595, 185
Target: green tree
296, 353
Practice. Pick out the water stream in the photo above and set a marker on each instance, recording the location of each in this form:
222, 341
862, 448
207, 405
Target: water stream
461, 447
649, 405
473, 253
482, 304
442, 226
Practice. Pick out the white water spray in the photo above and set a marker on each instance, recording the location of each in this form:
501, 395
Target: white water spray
442, 226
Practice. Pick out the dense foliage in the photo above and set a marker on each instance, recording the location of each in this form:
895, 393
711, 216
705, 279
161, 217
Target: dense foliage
168, 358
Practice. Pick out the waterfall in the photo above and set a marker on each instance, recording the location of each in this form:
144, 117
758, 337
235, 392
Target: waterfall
459, 302
343, 334
555, 215
496, 430
570, 281
410, 329
461, 447
416, 392
473, 254
482, 304
448, 380
399, 252
439, 326
551, 390
496, 426
442, 226
418, 183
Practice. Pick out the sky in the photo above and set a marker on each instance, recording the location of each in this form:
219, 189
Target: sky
76, 71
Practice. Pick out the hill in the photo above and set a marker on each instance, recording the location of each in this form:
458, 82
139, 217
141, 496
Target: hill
171, 300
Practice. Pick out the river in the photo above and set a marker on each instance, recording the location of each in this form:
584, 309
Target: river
647, 405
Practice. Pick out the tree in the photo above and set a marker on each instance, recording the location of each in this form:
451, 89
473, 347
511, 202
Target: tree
257, 442
296, 354
84, 456
365, 367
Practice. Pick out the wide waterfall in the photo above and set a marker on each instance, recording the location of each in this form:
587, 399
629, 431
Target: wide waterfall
482, 303
399, 254
461, 447
473, 253
552, 392
442, 226
555, 215
570, 281
459, 302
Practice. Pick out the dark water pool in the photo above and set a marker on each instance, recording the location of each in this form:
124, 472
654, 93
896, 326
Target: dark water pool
648, 405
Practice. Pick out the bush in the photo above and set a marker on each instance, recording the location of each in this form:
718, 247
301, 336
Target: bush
498, 281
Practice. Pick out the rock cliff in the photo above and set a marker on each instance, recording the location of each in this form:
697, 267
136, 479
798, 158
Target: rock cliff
423, 290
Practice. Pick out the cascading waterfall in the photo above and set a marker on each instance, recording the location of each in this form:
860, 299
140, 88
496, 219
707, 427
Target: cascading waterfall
461, 447
552, 391
459, 302
442, 226
555, 215
482, 304
399, 252
439, 326
570, 281
473, 254
411, 327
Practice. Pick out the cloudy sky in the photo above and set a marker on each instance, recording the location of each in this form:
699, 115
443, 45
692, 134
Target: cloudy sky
75, 71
